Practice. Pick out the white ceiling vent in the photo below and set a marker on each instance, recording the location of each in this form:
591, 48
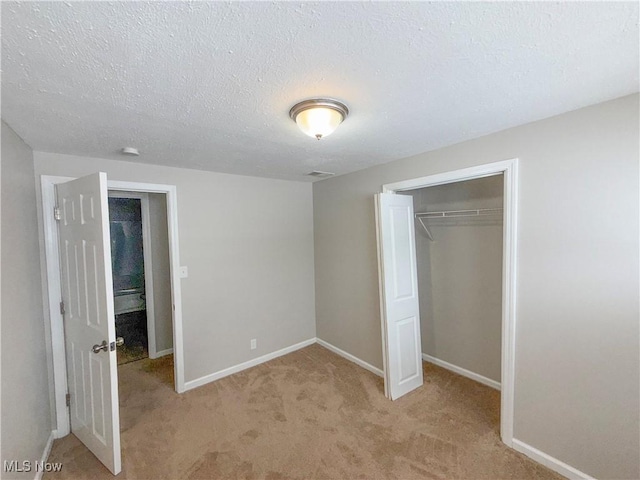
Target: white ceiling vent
319, 174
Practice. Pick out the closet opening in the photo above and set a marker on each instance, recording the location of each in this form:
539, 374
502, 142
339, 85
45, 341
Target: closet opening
446, 251
458, 237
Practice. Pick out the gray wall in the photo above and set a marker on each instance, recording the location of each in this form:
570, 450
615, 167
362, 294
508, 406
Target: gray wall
577, 370
248, 245
460, 276
26, 412
161, 275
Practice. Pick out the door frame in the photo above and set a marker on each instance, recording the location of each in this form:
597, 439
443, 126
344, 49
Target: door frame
53, 290
509, 168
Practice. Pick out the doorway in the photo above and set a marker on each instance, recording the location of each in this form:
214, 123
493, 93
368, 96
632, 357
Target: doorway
53, 285
141, 274
133, 302
459, 258
399, 299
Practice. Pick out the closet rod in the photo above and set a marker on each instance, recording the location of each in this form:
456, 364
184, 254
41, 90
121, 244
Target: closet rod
459, 213
480, 212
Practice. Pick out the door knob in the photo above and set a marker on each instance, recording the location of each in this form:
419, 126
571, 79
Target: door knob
99, 348
104, 346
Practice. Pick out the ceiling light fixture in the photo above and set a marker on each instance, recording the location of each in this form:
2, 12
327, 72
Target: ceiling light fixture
319, 117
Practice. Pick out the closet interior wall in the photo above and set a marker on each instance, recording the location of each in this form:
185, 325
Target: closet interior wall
460, 275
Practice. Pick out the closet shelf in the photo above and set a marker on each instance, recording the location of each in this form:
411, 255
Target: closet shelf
479, 212
460, 213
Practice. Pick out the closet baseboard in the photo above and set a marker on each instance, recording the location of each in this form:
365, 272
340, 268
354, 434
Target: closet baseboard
461, 371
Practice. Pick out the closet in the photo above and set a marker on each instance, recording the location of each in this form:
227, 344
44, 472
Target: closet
459, 251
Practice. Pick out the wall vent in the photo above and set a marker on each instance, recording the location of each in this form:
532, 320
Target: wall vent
319, 174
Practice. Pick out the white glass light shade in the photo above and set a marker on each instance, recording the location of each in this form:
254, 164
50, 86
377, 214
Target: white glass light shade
319, 122
319, 117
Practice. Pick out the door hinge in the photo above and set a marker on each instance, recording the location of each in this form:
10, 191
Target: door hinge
57, 214
68, 398
62, 312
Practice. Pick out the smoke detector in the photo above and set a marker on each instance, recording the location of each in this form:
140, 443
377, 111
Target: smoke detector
130, 151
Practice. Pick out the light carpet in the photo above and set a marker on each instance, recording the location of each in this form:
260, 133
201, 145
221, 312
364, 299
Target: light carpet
308, 415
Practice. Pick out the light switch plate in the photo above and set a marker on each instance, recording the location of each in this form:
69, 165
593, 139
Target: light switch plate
184, 272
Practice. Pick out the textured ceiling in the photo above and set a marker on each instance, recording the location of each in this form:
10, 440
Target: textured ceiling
209, 85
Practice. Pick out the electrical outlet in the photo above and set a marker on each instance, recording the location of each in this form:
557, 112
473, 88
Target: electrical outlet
254, 344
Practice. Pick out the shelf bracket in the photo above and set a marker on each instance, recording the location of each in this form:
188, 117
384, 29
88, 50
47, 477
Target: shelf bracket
425, 228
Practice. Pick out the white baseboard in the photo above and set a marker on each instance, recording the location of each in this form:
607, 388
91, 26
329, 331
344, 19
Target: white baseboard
462, 371
243, 366
550, 462
161, 353
351, 358
270, 356
45, 453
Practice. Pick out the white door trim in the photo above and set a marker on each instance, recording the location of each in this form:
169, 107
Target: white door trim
510, 170
53, 287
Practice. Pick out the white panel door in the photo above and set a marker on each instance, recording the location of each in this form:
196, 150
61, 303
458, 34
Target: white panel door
399, 290
87, 293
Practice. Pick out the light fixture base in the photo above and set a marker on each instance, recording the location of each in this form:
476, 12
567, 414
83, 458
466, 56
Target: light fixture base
339, 107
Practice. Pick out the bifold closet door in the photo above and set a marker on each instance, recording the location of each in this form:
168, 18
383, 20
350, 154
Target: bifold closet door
400, 314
